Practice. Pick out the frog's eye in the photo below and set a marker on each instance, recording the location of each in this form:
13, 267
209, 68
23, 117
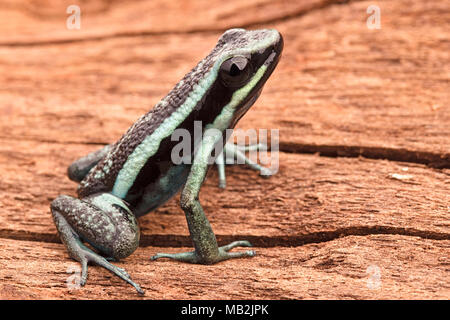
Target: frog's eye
235, 71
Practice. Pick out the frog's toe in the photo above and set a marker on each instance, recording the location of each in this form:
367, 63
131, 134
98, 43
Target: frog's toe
99, 260
252, 147
84, 273
242, 243
225, 254
190, 257
222, 254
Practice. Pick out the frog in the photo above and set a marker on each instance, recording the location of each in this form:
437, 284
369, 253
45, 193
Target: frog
127, 179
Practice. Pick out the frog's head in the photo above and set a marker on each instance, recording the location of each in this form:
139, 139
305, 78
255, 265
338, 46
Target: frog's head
229, 80
246, 60
225, 84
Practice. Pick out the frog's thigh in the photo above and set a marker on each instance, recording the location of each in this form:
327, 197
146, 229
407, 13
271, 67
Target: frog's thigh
102, 220
80, 168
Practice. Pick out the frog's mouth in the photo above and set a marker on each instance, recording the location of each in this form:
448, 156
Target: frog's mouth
244, 108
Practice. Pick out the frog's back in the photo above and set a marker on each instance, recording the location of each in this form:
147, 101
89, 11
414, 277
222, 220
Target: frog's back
104, 175
139, 159
142, 156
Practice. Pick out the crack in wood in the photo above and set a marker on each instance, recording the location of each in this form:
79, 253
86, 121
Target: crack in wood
64, 142
133, 34
432, 160
172, 240
36, 11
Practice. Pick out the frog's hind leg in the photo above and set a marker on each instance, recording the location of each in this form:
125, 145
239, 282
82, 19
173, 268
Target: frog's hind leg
233, 152
80, 168
105, 222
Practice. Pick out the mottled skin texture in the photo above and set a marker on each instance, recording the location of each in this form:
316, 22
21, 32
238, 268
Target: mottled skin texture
136, 174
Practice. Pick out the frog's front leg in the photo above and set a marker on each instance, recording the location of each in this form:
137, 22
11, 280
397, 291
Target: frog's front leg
206, 249
102, 220
233, 152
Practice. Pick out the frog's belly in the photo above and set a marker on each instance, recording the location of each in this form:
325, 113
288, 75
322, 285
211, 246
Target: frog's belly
158, 192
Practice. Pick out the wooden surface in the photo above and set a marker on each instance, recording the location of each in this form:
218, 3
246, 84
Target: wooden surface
360, 206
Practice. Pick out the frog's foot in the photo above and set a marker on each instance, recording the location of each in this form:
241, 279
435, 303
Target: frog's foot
106, 232
233, 152
84, 255
222, 254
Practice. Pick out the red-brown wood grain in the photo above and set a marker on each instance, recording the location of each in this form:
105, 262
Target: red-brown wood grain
359, 208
